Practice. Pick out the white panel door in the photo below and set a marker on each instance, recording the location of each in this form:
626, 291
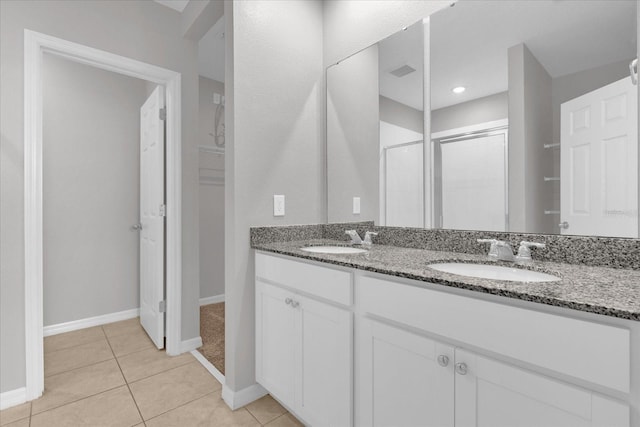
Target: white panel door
400, 380
323, 389
275, 341
474, 186
599, 162
493, 394
152, 216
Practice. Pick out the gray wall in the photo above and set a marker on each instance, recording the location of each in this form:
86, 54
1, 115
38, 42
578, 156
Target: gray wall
211, 195
353, 137
401, 115
481, 110
530, 127
143, 30
274, 82
91, 175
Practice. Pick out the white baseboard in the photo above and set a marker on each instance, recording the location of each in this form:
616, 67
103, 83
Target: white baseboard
238, 399
190, 345
90, 321
13, 398
211, 300
209, 366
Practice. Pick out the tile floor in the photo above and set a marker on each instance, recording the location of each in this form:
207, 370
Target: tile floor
113, 375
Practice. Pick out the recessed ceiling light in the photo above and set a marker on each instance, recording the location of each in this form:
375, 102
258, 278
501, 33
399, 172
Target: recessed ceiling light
458, 89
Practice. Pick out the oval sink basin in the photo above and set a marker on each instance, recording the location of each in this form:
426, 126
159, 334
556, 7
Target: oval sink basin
333, 250
495, 272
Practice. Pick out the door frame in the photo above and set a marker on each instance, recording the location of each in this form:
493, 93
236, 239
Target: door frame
35, 44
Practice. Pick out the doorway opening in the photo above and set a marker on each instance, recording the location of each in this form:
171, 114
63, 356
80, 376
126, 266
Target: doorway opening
36, 45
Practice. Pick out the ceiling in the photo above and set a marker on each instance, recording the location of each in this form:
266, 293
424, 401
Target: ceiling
178, 5
469, 44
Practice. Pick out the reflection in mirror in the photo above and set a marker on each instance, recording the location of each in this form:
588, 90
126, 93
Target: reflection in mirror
534, 117
375, 128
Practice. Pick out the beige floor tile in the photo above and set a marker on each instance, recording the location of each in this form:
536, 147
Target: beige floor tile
112, 408
265, 409
286, 420
168, 390
123, 327
73, 339
74, 385
22, 423
14, 414
59, 361
209, 411
142, 364
130, 342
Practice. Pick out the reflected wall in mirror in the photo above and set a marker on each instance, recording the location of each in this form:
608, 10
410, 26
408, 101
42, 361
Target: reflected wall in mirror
543, 138
375, 128
540, 134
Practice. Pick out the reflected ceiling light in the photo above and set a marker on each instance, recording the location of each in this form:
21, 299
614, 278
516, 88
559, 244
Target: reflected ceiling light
458, 89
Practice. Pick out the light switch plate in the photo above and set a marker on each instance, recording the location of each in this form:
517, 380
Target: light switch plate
356, 205
278, 205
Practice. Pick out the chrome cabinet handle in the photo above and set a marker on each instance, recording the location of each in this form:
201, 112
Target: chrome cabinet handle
443, 360
295, 304
461, 368
564, 225
288, 301
136, 227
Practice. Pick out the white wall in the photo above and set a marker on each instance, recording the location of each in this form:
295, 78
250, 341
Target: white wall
353, 120
143, 30
211, 194
274, 87
91, 131
480, 110
530, 127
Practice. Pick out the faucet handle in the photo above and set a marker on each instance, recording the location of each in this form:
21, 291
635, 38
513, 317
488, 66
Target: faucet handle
367, 237
355, 237
524, 251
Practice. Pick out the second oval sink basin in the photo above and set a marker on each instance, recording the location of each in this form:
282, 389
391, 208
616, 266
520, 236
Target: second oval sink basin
495, 272
333, 250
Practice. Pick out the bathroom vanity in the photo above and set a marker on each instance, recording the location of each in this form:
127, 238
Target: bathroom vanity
379, 338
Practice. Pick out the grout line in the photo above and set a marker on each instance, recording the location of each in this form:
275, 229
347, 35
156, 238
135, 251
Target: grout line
252, 416
74, 401
125, 381
179, 406
156, 373
79, 367
30, 412
165, 371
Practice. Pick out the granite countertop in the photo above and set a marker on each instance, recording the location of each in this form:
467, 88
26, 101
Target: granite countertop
607, 291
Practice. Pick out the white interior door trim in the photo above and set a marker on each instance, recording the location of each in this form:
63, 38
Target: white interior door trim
34, 46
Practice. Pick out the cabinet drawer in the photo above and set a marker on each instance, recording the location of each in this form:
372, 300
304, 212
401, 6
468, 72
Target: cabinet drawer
590, 351
328, 283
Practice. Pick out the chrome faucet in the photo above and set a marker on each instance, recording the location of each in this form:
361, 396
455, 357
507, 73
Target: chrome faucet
500, 250
355, 237
367, 238
524, 251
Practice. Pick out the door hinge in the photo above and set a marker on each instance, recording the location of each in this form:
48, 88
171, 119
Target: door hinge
162, 306
163, 113
163, 210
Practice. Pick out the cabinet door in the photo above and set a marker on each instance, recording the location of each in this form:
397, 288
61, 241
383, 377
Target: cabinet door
324, 357
400, 381
275, 341
494, 394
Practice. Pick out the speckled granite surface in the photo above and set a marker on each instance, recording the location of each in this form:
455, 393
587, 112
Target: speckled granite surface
602, 290
583, 250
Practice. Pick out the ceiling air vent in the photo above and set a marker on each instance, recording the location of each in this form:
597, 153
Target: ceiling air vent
403, 71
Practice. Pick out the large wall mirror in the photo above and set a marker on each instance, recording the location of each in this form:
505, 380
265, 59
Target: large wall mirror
532, 116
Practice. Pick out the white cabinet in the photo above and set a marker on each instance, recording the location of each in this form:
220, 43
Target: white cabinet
407, 379
304, 348
489, 393
404, 379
